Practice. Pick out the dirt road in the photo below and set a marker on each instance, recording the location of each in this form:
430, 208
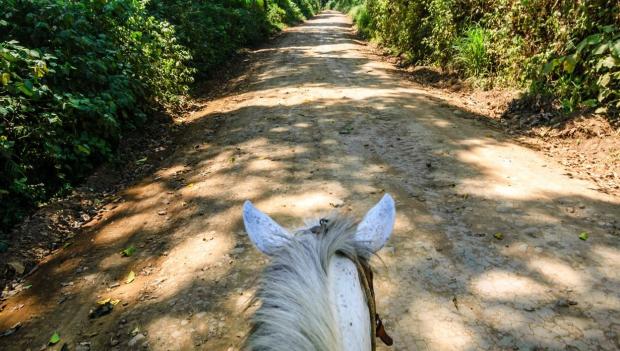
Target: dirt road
485, 254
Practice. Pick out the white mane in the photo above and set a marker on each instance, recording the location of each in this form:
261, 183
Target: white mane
295, 312
311, 296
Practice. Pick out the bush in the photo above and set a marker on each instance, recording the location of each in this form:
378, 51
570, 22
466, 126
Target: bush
213, 30
308, 7
74, 76
292, 10
357, 10
472, 52
589, 75
507, 41
361, 18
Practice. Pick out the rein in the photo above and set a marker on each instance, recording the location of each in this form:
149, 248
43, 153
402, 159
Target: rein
366, 277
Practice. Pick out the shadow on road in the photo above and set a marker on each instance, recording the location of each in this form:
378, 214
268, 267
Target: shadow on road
475, 263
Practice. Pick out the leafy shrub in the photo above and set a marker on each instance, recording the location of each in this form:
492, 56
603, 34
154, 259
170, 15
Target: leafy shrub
308, 7
472, 53
361, 18
343, 5
213, 30
76, 74
357, 10
277, 16
508, 41
590, 74
292, 10
442, 30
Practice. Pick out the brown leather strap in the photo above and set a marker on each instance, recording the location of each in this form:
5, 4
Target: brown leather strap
381, 333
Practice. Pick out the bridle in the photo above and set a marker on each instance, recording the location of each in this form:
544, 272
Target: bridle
376, 325
366, 277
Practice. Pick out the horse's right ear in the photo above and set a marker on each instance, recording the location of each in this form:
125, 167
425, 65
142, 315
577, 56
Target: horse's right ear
376, 227
265, 233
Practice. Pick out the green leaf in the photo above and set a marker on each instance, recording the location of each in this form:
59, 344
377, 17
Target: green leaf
570, 63
9, 57
55, 338
603, 94
129, 251
604, 80
34, 53
608, 29
615, 47
550, 66
136, 35
25, 89
607, 62
6, 78
130, 277
589, 40
600, 49
498, 236
583, 236
83, 149
600, 110
54, 120
590, 103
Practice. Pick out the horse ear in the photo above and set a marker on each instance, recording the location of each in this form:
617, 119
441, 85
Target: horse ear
265, 233
376, 227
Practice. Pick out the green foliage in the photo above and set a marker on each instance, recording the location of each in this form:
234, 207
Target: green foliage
361, 18
308, 7
505, 41
213, 30
291, 10
75, 75
344, 5
358, 12
589, 75
472, 52
442, 30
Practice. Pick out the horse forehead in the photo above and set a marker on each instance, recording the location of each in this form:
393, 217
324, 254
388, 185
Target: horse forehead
348, 302
342, 261
342, 268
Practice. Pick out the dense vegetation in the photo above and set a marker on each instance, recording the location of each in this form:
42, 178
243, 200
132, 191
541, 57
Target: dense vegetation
567, 49
76, 75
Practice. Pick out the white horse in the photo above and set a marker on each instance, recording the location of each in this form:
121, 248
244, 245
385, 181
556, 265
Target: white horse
316, 294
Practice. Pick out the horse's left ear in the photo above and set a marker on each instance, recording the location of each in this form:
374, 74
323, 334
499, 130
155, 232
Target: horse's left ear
265, 233
376, 227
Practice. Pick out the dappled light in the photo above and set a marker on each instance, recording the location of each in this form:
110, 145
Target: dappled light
485, 253
559, 273
507, 286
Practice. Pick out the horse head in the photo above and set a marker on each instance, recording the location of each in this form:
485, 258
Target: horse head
317, 293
